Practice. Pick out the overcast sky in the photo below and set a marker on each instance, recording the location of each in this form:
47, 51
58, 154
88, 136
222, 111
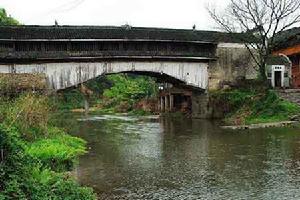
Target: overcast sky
146, 13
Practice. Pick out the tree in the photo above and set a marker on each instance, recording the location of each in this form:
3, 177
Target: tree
7, 20
261, 20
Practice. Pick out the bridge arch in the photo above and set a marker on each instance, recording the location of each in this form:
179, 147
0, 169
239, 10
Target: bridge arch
62, 75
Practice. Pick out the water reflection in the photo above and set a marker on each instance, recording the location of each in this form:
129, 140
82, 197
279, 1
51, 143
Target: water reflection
148, 158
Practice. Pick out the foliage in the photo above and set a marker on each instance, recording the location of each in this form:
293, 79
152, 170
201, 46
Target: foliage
234, 99
29, 113
139, 112
12, 164
58, 152
12, 84
22, 177
271, 108
252, 106
72, 98
68, 99
111, 93
29, 147
51, 185
5, 19
128, 90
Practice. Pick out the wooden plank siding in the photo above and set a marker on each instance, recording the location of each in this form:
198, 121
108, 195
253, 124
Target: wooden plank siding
296, 71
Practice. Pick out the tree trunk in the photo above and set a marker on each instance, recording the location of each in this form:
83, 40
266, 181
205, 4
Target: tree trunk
262, 72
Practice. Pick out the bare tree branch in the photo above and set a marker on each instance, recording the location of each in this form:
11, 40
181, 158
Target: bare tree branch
260, 19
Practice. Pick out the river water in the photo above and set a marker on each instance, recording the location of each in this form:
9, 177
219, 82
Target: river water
162, 158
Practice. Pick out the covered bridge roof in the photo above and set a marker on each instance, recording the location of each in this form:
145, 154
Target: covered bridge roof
26, 32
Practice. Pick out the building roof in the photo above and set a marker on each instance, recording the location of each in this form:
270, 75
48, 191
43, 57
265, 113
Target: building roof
287, 38
277, 60
25, 32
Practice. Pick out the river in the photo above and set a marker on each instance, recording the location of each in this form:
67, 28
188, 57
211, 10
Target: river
163, 158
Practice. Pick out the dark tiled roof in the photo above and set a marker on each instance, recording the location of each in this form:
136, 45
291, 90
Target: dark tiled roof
287, 38
112, 32
277, 60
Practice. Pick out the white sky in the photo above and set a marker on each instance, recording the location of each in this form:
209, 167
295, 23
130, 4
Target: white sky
146, 13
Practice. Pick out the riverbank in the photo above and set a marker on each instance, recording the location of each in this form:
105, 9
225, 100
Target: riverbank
36, 156
103, 111
262, 125
253, 106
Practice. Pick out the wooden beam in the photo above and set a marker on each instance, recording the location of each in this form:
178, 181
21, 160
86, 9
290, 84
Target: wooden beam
289, 51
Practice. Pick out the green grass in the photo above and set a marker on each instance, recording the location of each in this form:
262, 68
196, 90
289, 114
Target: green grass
252, 107
59, 151
24, 177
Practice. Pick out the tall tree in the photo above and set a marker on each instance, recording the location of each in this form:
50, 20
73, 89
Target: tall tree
263, 20
5, 19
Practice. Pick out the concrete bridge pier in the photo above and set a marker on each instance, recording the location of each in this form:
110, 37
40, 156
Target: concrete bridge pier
202, 107
171, 98
86, 93
167, 103
86, 106
162, 104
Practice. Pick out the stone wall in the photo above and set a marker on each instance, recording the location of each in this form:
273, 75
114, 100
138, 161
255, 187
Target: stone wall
233, 62
201, 106
292, 95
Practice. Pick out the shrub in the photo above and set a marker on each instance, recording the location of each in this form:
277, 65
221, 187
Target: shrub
127, 90
254, 106
46, 184
29, 113
59, 152
22, 177
232, 100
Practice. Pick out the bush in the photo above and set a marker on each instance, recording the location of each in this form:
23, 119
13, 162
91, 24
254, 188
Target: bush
232, 100
254, 106
46, 184
29, 113
59, 152
12, 165
127, 91
22, 177
67, 100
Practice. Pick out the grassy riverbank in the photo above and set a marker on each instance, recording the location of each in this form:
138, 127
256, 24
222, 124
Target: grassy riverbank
36, 156
252, 106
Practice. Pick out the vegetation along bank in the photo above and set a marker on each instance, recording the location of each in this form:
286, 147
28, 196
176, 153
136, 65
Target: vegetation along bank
253, 105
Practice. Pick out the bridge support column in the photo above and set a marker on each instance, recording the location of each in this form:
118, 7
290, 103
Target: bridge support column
86, 95
201, 106
171, 102
162, 104
86, 106
167, 103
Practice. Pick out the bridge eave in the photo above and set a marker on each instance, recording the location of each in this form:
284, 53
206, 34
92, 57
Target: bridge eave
109, 40
108, 58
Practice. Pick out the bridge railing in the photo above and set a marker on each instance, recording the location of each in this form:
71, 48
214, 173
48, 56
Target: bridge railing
68, 49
